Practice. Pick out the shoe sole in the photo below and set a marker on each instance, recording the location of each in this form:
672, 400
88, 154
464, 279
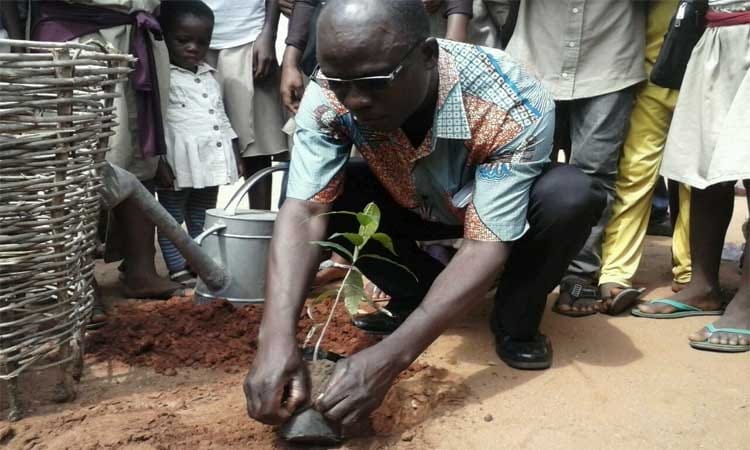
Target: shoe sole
527, 365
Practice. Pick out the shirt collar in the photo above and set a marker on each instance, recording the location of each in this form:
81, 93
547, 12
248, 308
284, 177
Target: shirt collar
202, 68
450, 116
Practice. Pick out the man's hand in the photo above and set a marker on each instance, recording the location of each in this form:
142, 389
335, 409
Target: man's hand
432, 6
357, 387
277, 385
292, 87
264, 56
286, 7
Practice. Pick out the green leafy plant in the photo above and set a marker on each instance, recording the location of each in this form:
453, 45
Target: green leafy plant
352, 287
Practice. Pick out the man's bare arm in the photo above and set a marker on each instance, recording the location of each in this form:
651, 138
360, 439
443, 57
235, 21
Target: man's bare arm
278, 369
361, 381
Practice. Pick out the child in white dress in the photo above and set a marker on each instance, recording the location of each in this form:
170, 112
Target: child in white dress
201, 145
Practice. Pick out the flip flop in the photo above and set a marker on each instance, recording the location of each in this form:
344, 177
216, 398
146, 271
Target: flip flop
621, 301
724, 348
683, 310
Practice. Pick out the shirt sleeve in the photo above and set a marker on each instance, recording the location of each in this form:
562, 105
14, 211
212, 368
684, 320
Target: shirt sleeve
502, 184
459, 7
299, 23
321, 149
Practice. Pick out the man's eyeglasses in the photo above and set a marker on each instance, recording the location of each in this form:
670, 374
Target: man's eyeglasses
371, 83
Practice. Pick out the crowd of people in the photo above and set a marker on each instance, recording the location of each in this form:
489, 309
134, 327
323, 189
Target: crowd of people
449, 114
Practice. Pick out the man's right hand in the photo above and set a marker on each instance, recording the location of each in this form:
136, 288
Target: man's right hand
277, 384
292, 86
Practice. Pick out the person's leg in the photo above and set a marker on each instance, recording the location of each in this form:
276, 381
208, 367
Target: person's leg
710, 214
597, 129
175, 202
561, 140
260, 195
681, 264
563, 206
733, 328
637, 178
198, 203
139, 277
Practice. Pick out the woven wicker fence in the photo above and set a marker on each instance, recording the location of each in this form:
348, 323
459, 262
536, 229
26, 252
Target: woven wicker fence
56, 117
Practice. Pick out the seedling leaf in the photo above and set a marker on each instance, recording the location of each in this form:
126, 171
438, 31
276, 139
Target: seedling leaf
353, 290
354, 238
373, 212
335, 246
386, 241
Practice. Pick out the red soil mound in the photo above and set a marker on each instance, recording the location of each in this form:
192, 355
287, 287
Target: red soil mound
179, 333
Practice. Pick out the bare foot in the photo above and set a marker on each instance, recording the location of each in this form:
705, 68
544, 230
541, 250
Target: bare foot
705, 298
737, 315
151, 287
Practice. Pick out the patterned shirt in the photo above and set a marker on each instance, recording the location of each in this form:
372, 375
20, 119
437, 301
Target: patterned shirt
491, 137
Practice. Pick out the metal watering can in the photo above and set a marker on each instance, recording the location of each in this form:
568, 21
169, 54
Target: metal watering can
238, 239
229, 256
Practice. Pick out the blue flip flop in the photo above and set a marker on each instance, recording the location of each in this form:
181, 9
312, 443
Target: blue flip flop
683, 310
725, 348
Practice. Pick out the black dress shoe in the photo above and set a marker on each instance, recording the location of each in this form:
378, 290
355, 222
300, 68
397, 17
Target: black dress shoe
378, 322
533, 354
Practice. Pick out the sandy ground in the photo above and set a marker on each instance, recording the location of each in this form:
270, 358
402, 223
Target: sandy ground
616, 383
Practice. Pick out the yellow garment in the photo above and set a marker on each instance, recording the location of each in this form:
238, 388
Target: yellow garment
638, 172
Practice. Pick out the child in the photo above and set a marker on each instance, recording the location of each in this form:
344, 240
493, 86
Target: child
201, 144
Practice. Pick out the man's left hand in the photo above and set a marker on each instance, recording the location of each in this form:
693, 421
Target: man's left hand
264, 56
357, 387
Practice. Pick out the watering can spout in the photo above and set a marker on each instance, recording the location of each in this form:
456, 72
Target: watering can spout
119, 185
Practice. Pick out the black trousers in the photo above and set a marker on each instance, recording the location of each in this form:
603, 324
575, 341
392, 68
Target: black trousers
564, 204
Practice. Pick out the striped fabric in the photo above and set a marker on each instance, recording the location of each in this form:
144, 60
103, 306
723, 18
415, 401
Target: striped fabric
186, 206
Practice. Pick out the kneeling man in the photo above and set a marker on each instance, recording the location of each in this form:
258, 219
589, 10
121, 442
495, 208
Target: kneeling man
456, 141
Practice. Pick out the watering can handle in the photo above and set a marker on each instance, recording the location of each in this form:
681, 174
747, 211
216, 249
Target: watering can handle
217, 227
234, 202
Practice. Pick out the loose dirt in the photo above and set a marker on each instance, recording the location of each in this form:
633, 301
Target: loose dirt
168, 375
178, 333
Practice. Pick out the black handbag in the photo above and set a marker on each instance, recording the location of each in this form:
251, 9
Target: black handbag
685, 29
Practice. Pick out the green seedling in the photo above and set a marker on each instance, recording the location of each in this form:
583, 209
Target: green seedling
352, 287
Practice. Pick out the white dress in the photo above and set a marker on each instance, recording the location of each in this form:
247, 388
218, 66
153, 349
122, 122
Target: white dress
197, 130
709, 140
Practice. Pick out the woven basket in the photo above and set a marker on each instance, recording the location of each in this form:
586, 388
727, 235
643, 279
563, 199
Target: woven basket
56, 117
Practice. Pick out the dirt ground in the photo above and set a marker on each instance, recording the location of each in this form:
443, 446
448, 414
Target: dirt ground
616, 383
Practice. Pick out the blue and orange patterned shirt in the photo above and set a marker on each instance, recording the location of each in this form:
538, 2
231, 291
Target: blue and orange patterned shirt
491, 137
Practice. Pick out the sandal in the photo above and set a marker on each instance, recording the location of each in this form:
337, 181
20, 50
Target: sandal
724, 348
623, 300
184, 277
681, 310
577, 291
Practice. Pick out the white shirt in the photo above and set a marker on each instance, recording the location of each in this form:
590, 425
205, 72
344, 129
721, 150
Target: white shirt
197, 130
236, 22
